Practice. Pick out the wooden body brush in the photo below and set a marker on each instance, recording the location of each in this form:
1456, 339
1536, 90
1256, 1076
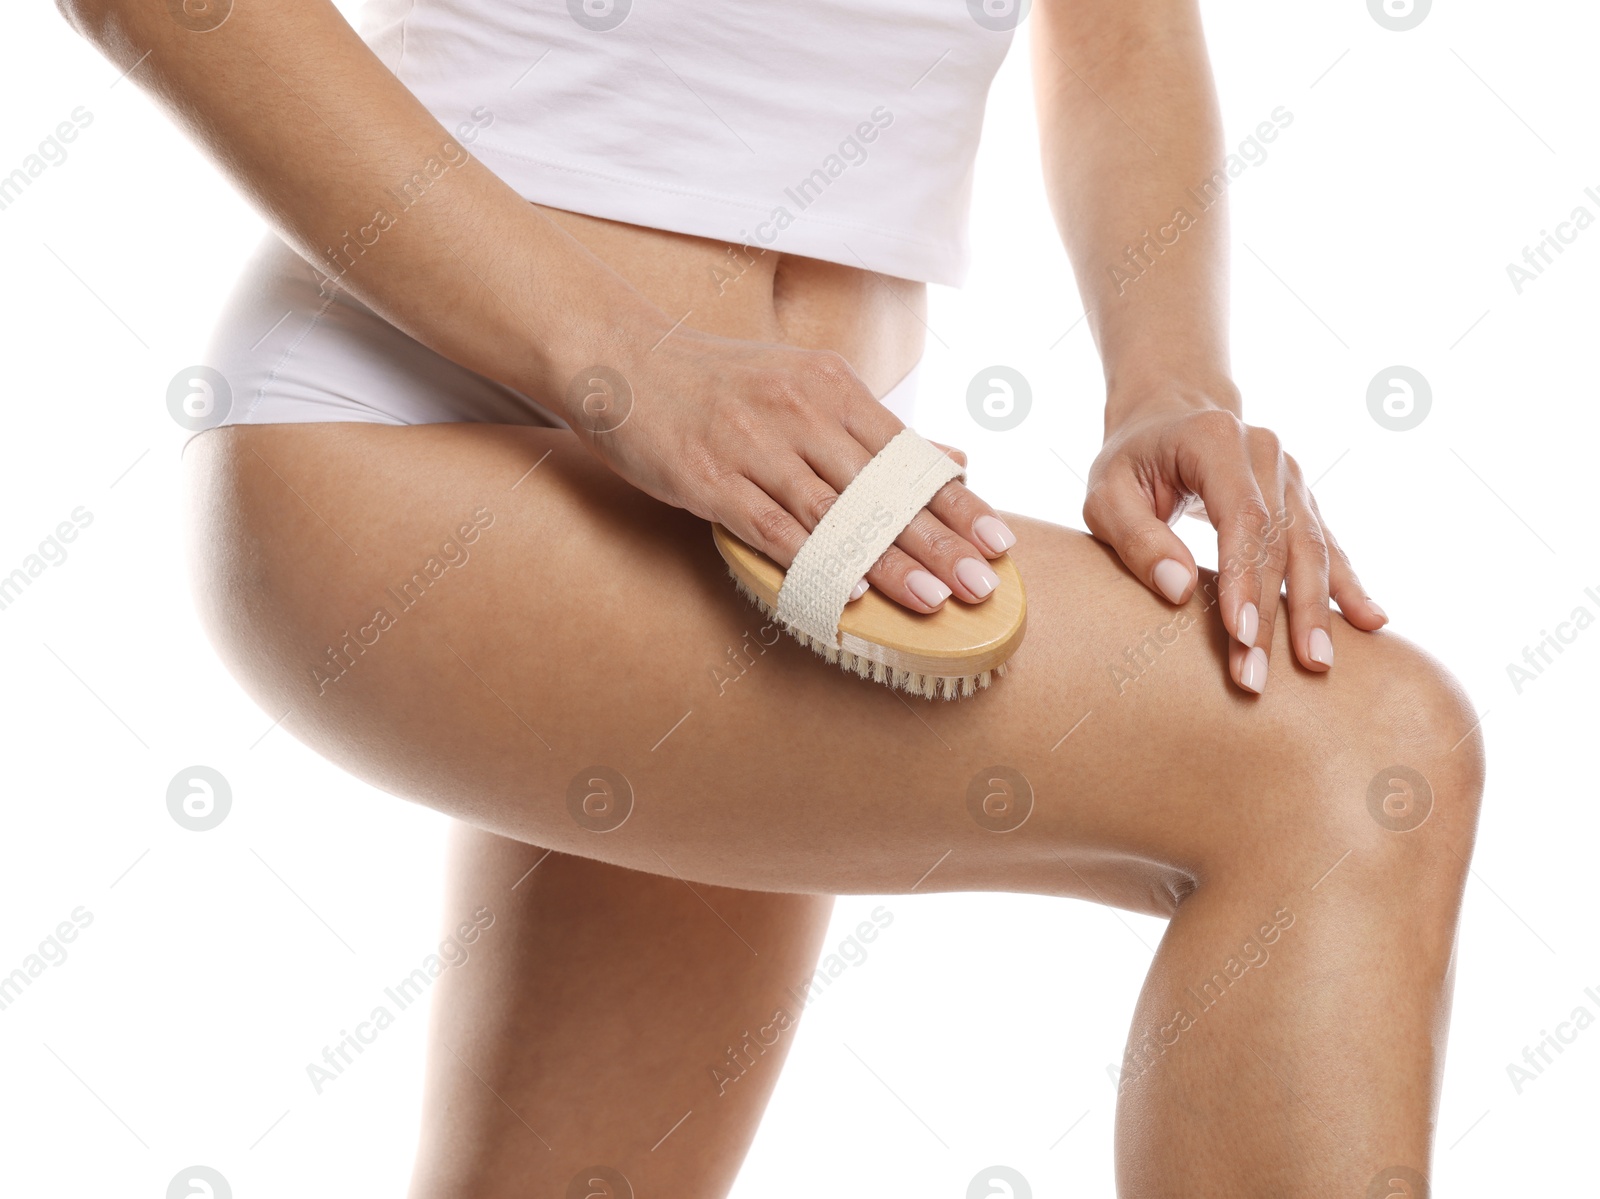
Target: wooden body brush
949, 653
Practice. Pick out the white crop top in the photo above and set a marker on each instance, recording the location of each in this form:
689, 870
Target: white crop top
837, 129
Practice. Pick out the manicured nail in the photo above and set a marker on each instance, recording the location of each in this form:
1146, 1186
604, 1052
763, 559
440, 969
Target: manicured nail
976, 576
1384, 615
1172, 577
926, 588
1249, 621
859, 590
1321, 647
992, 531
1253, 671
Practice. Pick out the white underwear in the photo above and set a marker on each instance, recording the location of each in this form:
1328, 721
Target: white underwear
290, 354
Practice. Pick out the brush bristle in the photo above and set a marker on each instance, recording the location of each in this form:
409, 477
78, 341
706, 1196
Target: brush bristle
928, 686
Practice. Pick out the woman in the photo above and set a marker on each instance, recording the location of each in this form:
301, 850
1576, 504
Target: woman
523, 403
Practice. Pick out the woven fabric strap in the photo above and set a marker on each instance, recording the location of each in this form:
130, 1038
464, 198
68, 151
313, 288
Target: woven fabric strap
872, 510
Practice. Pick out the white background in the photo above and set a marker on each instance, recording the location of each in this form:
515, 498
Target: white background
1377, 233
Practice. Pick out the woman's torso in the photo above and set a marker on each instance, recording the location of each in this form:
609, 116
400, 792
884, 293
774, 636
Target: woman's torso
875, 321
834, 138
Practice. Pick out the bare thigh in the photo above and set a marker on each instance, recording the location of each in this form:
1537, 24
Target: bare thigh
584, 659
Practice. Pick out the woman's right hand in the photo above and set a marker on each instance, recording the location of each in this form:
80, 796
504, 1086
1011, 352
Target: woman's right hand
762, 437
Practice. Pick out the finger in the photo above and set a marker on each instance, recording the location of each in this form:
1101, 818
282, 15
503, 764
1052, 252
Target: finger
761, 522
1343, 585
1310, 621
956, 505
1218, 464
1121, 513
775, 510
959, 508
948, 557
1273, 471
952, 558
872, 426
1248, 666
918, 576
933, 561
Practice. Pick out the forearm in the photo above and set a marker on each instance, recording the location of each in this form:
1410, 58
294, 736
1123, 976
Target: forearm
369, 187
1131, 145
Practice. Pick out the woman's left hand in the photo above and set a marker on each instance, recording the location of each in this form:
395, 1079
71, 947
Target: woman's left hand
1164, 456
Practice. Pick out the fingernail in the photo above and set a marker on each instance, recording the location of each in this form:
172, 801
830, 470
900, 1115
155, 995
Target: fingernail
926, 588
1172, 577
1249, 621
1377, 609
1253, 671
858, 590
992, 531
1321, 647
976, 576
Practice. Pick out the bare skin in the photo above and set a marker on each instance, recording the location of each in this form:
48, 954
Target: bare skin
1179, 797
583, 636
583, 631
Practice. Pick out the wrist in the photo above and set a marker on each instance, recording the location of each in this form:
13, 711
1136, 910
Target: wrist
1133, 397
592, 350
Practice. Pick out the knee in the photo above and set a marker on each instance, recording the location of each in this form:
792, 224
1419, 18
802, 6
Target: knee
1419, 717
1369, 777
1406, 789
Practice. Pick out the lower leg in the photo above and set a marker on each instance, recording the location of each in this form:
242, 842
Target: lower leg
607, 1025
1289, 1040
